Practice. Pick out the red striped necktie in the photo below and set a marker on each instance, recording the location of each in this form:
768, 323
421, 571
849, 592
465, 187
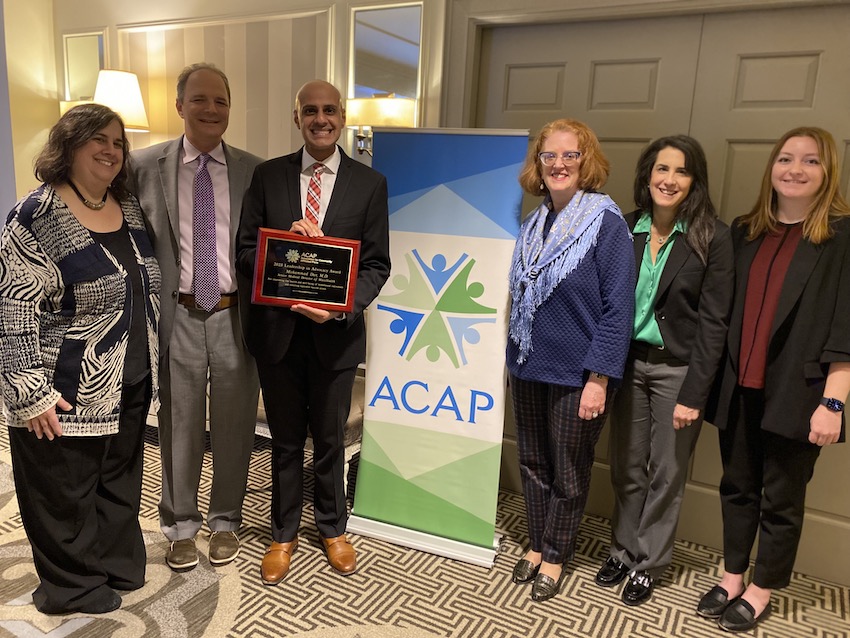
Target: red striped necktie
314, 194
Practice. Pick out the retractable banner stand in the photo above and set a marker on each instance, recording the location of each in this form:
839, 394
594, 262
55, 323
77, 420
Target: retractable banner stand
428, 476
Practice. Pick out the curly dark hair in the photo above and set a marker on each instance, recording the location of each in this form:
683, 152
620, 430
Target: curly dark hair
697, 210
75, 128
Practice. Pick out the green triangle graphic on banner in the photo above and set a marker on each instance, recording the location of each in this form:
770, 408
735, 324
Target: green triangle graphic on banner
434, 337
370, 449
383, 496
465, 482
468, 483
460, 296
415, 451
415, 291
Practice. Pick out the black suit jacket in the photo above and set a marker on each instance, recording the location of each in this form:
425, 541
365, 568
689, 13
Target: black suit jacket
811, 329
358, 209
692, 306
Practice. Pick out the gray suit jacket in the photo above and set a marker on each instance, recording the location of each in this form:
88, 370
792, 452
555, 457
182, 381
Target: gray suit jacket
153, 179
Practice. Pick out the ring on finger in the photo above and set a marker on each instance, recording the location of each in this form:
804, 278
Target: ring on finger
595, 414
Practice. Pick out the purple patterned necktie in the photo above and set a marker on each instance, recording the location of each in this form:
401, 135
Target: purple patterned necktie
207, 291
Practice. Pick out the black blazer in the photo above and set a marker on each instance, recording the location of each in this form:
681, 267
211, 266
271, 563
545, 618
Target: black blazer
811, 329
692, 306
358, 209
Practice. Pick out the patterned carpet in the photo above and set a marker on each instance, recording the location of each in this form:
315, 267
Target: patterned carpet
397, 593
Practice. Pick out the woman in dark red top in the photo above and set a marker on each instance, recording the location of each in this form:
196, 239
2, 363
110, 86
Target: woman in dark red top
780, 397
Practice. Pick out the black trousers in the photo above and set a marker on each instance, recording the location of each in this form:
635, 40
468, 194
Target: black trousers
763, 491
79, 499
301, 395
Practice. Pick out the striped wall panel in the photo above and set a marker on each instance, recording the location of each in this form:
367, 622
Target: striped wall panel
266, 60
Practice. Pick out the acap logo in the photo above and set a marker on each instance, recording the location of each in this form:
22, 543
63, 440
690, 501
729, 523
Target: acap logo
436, 308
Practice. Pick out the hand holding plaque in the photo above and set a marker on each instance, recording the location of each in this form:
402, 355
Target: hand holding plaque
293, 269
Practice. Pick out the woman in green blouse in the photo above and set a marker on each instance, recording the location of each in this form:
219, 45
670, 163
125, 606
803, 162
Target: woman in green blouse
683, 294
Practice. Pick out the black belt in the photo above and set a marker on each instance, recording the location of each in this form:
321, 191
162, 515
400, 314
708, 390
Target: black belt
643, 351
227, 300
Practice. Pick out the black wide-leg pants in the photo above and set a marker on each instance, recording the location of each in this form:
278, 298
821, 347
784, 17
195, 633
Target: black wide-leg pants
79, 499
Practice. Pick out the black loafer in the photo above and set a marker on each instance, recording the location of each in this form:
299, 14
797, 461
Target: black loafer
639, 588
611, 573
740, 616
546, 587
103, 605
100, 605
524, 571
714, 603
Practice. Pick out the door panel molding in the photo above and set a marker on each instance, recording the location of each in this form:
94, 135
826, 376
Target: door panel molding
467, 19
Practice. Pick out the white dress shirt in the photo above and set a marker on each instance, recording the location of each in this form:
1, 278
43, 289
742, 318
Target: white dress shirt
328, 180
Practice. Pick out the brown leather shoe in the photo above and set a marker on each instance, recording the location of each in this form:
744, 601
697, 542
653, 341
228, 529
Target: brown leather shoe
341, 555
276, 561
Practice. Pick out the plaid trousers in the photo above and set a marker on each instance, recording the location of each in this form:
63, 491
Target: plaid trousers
556, 450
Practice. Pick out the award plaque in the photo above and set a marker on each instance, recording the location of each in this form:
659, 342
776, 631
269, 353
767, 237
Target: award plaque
320, 272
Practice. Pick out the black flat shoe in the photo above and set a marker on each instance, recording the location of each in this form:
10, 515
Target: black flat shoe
740, 616
611, 573
524, 571
103, 605
545, 587
714, 603
639, 588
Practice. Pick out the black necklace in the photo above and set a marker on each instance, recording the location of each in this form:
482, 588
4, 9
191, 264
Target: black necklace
93, 205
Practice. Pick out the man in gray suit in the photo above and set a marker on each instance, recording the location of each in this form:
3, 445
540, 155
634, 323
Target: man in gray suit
177, 183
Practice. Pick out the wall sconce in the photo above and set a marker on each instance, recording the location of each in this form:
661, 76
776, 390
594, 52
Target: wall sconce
120, 91
365, 113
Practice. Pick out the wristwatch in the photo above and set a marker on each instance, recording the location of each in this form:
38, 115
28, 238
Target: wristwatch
833, 405
604, 377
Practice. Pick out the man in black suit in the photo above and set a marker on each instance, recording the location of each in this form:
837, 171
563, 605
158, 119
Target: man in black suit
307, 358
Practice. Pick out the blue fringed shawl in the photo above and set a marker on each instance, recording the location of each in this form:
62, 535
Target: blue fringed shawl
539, 264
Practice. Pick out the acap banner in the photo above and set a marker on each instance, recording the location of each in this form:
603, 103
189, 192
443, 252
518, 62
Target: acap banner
435, 372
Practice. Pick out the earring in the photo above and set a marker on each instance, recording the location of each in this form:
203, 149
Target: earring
542, 186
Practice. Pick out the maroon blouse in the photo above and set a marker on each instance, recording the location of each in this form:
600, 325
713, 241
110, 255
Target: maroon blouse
764, 283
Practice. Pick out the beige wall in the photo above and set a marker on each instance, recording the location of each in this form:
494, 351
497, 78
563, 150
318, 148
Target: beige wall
36, 51
34, 40
7, 164
33, 97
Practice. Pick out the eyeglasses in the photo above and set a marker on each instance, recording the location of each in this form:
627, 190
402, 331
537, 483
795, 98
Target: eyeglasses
548, 159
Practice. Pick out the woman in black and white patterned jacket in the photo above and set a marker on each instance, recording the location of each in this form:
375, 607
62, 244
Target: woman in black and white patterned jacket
79, 306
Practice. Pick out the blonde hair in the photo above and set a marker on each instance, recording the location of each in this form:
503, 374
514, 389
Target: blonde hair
593, 169
828, 201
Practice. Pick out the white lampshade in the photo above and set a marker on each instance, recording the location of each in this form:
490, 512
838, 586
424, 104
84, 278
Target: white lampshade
380, 111
119, 90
